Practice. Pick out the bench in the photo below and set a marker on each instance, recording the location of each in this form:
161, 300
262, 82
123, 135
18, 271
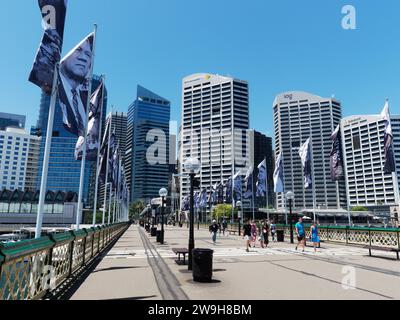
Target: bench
232, 232
376, 248
179, 252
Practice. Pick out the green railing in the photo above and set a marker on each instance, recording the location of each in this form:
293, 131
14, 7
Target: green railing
30, 269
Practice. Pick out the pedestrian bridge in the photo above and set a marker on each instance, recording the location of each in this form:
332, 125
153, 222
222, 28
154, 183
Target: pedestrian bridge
126, 259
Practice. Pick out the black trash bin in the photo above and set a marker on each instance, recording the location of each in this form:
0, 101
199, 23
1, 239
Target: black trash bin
147, 228
153, 232
202, 265
280, 235
158, 235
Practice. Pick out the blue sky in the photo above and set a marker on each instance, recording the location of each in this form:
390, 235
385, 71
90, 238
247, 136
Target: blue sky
275, 45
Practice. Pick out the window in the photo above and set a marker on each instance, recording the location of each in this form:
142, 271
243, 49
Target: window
356, 142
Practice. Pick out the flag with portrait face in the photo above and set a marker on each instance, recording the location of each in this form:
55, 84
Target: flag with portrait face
203, 199
278, 175
390, 165
107, 146
249, 184
262, 179
305, 155
220, 194
228, 191
237, 187
49, 53
74, 86
213, 195
93, 134
337, 171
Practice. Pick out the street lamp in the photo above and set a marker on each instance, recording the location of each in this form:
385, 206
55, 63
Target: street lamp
163, 193
191, 166
290, 198
239, 206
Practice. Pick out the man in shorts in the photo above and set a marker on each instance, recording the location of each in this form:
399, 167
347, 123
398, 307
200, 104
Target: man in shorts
301, 235
247, 234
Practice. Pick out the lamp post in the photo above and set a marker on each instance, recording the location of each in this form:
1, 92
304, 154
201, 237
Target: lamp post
163, 193
239, 206
192, 166
290, 198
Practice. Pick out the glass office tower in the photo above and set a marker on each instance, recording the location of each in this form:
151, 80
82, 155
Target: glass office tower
64, 170
148, 112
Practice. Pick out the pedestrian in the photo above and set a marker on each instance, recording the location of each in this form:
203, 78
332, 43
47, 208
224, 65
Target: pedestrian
247, 234
314, 236
261, 233
301, 236
224, 226
273, 230
265, 233
254, 233
214, 230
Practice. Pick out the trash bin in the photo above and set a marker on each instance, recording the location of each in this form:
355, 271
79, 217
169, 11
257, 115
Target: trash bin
158, 235
153, 232
280, 235
202, 264
147, 228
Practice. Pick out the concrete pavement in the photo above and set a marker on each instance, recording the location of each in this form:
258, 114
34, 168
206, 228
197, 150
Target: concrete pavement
138, 268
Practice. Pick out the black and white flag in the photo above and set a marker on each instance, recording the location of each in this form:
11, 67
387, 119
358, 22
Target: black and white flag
305, 155
390, 165
49, 53
249, 184
337, 171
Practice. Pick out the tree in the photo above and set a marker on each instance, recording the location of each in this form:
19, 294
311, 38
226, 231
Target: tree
222, 210
359, 209
136, 209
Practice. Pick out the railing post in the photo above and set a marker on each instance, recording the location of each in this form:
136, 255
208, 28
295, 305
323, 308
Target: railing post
71, 256
93, 245
370, 239
347, 235
327, 234
84, 250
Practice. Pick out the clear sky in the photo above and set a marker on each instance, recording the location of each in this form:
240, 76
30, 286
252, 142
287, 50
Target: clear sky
275, 45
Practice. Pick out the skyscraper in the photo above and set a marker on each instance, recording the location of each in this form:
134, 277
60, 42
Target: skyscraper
17, 149
64, 170
364, 157
147, 170
297, 117
215, 121
11, 120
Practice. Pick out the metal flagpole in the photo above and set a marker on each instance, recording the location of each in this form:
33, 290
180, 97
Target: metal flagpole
252, 190
109, 205
47, 150
266, 187
313, 182
98, 155
82, 178
107, 169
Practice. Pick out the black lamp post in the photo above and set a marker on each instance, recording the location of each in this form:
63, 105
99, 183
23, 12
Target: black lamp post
290, 198
163, 194
192, 166
239, 206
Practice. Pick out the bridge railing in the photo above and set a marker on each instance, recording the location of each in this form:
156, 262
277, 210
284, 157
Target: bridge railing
379, 237
30, 269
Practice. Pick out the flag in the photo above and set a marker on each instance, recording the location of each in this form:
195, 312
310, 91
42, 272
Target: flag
213, 195
185, 204
107, 146
249, 184
196, 200
115, 168
337, 171
228, 191
237, 187
203, 199
220, 195
305, 155
278, 175
74, 86
49, 53
262, 179
93, 136
390, 165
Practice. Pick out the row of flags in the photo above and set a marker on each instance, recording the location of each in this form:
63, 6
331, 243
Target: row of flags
336, 156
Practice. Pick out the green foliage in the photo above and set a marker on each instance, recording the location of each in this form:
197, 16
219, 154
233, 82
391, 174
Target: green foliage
136, 209
359, 209
88, 218
222, 210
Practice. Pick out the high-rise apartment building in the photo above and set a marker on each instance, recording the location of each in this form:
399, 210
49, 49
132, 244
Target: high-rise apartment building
297, 117
364, 157
147, 170
215, 123
17, 149
11, 120
64, 170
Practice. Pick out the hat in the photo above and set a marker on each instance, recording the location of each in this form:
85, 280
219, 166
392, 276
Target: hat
214, 221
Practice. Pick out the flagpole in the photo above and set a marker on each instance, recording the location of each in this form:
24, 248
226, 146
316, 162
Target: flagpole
83, 163
47, 150
107, 169
98, 155
266, 187
109, 205
314, 180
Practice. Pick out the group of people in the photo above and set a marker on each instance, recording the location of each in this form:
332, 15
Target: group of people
253, 232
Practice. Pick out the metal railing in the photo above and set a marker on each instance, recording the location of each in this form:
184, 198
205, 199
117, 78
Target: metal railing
30, 269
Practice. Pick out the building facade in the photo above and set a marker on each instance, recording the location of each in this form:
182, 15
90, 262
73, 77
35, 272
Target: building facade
147, 171
297, 117
11, 120
17, 149
215, 123
364, 157
64, 170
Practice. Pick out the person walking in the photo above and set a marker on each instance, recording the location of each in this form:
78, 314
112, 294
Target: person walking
224, 226
254, 233
314, 236
265, 233
273, 230
247, 234
301, 236
214, 230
